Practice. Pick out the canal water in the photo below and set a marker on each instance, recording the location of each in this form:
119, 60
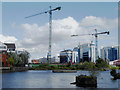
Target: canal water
47, 79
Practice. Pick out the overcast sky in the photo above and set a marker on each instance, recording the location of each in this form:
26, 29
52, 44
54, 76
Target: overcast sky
32, 33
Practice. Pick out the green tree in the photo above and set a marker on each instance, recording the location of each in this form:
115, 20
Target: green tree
13, 55
89, 65
100, 63
24, 57
21, 59
11, 61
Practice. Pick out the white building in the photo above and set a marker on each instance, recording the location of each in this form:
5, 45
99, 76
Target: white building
65, 56
10, 47
74, 56
86, 52
68, 56
3, 47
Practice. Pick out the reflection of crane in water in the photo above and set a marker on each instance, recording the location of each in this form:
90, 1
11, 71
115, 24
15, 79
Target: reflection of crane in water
50, 28
96, 40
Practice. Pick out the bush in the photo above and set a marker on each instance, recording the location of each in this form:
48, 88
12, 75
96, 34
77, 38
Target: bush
11, 61
100, 63
112, 67
72, 68
11, 67
88, 66
81, 67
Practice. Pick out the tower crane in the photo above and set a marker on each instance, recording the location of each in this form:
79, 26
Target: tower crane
96, 40
50, 28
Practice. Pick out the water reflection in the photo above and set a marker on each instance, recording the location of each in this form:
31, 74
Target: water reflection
47, 79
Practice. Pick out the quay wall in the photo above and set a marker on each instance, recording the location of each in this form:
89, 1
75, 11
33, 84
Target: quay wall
14, 69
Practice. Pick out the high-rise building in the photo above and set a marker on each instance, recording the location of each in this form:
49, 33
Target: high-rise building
74, 56
68, 56
86, 52
110, 53
119, 51
65, 56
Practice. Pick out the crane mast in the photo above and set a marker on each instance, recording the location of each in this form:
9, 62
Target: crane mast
50, 35
96, 46
96, 40
50, 28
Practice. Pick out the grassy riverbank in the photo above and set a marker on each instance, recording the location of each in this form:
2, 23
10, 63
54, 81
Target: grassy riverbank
82, 66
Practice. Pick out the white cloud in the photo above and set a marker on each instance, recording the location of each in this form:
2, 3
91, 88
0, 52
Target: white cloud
4, 38
36, 37
99, 23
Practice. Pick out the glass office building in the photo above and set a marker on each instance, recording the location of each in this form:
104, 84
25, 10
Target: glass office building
86, 52
110, 53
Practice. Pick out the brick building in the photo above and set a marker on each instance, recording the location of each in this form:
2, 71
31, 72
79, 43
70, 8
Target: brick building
3, 55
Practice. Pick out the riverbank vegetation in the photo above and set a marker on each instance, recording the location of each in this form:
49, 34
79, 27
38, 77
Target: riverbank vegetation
18, 60
99, 65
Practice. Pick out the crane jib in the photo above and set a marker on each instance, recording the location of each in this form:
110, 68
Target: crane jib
50, 28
